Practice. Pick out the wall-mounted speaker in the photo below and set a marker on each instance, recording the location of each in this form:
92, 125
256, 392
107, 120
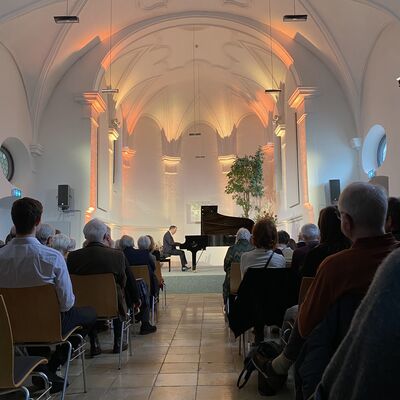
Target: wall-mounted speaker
64, 197
334, 190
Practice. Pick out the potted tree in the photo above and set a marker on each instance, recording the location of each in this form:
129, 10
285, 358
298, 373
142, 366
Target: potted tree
245, 182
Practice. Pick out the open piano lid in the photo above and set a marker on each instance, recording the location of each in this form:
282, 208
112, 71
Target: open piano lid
213, 223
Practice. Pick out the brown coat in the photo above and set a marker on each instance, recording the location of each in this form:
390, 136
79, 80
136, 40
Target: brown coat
96, 258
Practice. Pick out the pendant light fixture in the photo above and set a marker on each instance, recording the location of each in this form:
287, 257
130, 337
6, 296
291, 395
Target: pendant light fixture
295, 17
66, 19
195, 127
271, 89
109, 88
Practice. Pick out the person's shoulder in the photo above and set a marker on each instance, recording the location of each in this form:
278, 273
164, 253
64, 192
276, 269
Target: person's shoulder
50, 254
336, 261
278, 258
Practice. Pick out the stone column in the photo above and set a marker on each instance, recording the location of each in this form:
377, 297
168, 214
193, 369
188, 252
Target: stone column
269, 173
171, 169
301, 102
93, 105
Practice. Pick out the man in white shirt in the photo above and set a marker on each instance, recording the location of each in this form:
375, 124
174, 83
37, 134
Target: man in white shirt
25, 262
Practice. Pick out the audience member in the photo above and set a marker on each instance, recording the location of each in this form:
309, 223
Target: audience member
154, 250
310, 235
264, 239
292, 244
25, 262
44, 234
142, 256
332, 241
233, 255
365, 365
72, 244
393, 217
283, 246
99, 258
61, 243
348, 272
11, 235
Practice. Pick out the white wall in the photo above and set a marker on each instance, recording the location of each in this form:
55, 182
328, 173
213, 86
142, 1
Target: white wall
381, 100
15, 132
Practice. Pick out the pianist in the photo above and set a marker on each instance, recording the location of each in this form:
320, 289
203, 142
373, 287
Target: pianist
169, 247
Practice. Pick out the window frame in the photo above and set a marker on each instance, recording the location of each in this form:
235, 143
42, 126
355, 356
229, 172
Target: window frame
10, 161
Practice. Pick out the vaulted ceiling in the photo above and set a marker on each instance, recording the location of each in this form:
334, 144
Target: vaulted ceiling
169, 56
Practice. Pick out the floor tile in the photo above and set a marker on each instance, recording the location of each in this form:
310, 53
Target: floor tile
218, 379
170, 368
176, 379
174, 393
171, 357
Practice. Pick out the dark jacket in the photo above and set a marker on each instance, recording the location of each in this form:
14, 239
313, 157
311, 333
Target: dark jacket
142, 257
263, 297
318, 254
322, 343
300, 253
168, 243
96, 258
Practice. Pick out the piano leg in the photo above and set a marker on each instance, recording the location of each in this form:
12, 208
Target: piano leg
194, 260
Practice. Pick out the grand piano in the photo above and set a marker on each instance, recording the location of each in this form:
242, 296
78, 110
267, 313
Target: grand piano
216, 230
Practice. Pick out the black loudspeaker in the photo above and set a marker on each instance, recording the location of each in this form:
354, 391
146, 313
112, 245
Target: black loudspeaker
64, 197
334, 190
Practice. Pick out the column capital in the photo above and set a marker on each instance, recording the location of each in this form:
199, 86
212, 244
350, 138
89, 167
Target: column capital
113, 134
301, 94
280, 130
226, 162
171, 164
127, 155
36, 149
93, 104
268, 149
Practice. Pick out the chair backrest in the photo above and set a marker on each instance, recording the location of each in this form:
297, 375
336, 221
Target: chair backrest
158, 272
235, 278
98, 291
6, 348
141, 271
305, 285
34, 314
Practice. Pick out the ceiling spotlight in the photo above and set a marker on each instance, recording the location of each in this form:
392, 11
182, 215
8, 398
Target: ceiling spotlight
273, 90
66, 19
295, 18
109, 90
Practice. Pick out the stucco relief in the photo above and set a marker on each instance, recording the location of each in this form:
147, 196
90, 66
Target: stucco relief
240, 3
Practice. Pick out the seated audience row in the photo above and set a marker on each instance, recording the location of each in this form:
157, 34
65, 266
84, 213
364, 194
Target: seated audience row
38, 255
346, 273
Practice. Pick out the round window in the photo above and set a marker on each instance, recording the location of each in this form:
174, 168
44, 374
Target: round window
6, 163
382, 148
374, 149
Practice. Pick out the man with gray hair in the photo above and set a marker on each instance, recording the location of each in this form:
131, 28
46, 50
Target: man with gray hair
362, 208
44, 233
310, 235
97, 257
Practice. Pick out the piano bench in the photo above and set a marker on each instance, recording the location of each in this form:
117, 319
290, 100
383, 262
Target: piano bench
166, 260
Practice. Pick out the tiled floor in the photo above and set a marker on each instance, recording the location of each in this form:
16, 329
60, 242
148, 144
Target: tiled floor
191, 357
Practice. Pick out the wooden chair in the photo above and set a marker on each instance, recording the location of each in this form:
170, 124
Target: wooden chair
234, 283
15, 370
36, 321
160, 279
100, 292
304, 286
142, 271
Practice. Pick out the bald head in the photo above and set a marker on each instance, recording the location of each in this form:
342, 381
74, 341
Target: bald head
366, 204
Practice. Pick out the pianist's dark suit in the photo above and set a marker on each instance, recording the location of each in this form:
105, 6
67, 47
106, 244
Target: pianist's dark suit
169, 248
